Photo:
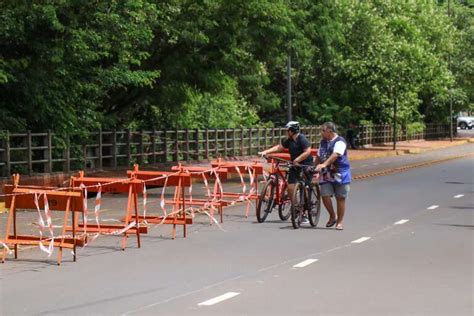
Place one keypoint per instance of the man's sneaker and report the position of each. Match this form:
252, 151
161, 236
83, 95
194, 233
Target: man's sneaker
304, 220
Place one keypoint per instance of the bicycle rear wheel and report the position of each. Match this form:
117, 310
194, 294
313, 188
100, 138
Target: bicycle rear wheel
297, 207
284, 209
314, 201
265, 201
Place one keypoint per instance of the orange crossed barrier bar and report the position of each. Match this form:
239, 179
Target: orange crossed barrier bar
254, 169
180, 180
213, 200
114, 185
30, 197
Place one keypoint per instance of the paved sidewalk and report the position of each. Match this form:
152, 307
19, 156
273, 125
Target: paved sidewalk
404, 147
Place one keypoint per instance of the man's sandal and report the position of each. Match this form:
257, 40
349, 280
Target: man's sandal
339, 227
331, 223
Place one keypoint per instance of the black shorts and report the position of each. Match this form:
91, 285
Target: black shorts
295, 173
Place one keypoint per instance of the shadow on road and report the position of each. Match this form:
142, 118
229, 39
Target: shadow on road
458, 225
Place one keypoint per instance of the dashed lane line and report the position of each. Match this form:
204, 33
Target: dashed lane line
458, 196
219, 299
305, 263
403, 221
360, 240
432, 207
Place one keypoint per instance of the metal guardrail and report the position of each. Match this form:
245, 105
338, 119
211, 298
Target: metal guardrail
38, 153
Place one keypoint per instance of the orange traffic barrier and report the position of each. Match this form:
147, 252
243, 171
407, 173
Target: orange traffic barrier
206, 174
113, 185
180, 180
253, 169
35, 198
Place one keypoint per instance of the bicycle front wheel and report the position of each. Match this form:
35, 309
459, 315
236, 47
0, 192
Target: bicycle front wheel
314, 201
265, 201
297, 207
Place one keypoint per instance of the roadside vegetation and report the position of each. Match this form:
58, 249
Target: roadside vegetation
76, 66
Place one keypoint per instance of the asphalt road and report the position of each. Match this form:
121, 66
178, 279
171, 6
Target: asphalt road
421, 266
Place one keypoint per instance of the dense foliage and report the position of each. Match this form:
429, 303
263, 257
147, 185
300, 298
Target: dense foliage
71, 65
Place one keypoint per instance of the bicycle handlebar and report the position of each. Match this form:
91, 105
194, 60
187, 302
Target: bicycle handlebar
291, 163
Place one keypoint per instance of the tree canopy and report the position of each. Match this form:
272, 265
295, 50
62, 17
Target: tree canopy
75, 66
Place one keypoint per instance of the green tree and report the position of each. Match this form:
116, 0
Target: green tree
60, 62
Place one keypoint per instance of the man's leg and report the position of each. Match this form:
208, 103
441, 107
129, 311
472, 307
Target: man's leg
291, 188
342, 190
328, 205
341, 208
292, 177
327, 190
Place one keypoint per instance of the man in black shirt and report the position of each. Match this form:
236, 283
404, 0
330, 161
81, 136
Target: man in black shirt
299, 148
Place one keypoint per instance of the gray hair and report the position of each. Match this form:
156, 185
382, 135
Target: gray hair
330, 126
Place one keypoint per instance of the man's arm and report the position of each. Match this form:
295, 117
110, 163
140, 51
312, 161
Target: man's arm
274, 149
328, 161
303, 156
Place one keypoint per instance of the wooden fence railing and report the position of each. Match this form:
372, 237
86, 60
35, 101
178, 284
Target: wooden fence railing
35, 153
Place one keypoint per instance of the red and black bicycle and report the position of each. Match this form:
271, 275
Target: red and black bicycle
275, 191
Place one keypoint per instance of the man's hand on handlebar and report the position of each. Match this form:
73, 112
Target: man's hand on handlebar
320, 167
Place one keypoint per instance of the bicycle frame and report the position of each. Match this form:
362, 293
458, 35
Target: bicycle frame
279, 176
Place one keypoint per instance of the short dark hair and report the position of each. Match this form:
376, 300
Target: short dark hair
330, 126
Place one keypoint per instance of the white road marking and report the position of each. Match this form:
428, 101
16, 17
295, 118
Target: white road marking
219, 299
403, 221
360, 240
305, 263
458, 196
432, 207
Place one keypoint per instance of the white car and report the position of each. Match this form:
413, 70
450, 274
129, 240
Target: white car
465, 122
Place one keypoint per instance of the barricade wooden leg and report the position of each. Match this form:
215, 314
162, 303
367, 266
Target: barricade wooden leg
221, 211
74, 219
128, 217
137, 222
183, 201
211, 212
14, 234
184, 227
124, 241
9, 223
60, 255
75, 222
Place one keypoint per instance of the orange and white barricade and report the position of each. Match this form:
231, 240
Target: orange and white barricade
242, 168
132, 187
212, 199
180, 181
44, 201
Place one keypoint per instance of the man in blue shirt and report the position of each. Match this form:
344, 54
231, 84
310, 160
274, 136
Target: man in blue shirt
332, 157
